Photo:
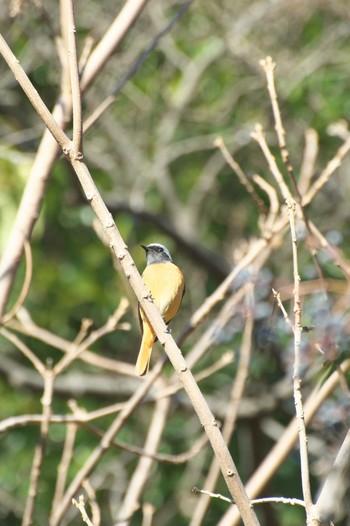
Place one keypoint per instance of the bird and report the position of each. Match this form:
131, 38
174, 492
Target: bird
166, 284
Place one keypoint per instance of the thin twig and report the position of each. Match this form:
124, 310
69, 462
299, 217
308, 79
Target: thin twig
63, 467
30, 204
180, 458
34, 96
104, 444
331, 503
95, 508
277, 297
148, 511
286, 442
259, 136
89, 42
40, 448
111, 98
77, 143
327, 173
28, 353
83, 418
243, 179
304, 459
25, 287
335, 254
265, 500
142, 471
81, 507
76, 350
117, 366
111, 40
237, 390
270, 220
226, 359
269, 67
307, 168
291, 208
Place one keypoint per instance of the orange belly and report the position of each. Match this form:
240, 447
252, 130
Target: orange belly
166, 284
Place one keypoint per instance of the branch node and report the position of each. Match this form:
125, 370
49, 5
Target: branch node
110, 224
67, 149
218, 143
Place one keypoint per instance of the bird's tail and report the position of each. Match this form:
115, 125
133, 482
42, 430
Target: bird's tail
144, 357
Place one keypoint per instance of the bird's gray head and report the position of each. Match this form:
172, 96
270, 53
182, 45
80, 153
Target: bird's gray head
156, 253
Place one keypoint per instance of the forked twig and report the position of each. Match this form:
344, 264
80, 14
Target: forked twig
81, 507
304, 459
286, 442
258, 135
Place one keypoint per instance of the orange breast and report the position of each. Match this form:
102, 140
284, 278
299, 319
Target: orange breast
166, 283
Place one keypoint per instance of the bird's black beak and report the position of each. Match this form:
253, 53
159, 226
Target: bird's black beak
144, 247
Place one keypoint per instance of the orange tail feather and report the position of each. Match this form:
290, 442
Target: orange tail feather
144, 357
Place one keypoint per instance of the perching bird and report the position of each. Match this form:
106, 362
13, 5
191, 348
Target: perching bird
166, 284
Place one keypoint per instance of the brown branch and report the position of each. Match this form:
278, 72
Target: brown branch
78, 418
307, 168
30, 329
180, 458
76, 350
206, 417
30, 204
259, 136
118, 247
81, 507
233, 405
34, 97
297, 330
28, 353
95, 509
335, 254
111, 98
111, 40
219, 294
84, 418
268, 223
142, 471
297, 327
104, 444
327, 173
269, 67
63, 467
332, 501
40, 448
285, 444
